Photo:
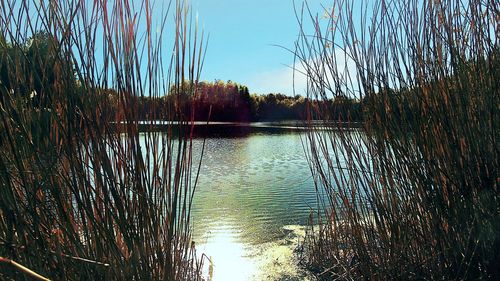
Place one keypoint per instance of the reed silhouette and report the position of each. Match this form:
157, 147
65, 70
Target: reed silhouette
414, 193
85, 195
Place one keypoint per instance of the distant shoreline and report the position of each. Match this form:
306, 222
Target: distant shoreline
203, 128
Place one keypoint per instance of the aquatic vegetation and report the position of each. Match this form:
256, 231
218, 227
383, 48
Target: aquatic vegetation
82, 197
415, 194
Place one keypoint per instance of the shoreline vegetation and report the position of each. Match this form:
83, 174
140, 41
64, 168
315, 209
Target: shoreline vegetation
416, 197
231, 102
78, 200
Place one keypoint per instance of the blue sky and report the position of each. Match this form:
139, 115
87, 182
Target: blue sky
243, 39
245, 36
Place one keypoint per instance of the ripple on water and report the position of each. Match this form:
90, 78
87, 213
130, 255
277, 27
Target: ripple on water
249, 190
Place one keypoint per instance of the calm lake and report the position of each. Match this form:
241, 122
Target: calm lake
254, 194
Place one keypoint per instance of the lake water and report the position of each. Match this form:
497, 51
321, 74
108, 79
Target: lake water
254, 194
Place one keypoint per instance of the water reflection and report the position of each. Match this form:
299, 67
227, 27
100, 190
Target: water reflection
253, 195
250, 189
229, 256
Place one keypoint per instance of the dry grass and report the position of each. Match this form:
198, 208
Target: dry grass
414, 194
81, 200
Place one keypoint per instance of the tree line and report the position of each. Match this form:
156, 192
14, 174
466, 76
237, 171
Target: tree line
215, 101
232, 102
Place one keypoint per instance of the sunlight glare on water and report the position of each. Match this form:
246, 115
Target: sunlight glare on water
230, 259
255, 194
250, 188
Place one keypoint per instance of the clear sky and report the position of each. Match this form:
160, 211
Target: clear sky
243, 39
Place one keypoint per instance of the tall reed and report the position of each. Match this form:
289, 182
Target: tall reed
414, 193
85, 195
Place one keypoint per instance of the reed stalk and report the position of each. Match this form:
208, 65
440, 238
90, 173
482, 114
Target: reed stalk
85, 194
414, 193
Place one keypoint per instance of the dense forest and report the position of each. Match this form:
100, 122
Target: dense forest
232, 102
214, 101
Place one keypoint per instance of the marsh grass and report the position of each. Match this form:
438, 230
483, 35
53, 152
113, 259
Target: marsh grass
414, 194
82, 197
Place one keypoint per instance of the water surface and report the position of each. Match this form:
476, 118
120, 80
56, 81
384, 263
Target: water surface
254, 193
